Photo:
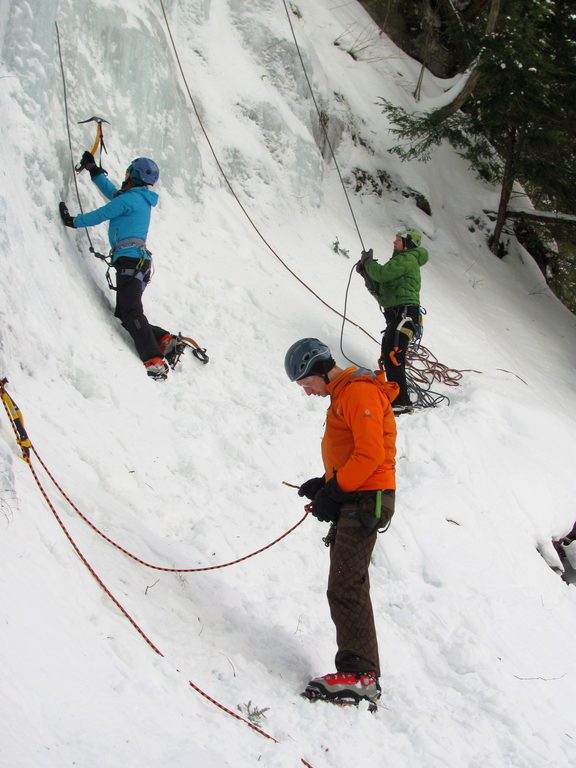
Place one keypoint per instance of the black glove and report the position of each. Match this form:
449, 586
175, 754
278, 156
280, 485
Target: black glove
327, 502
65, 216
311, 487
365, 256
87, 162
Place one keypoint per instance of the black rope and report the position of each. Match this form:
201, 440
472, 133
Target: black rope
333, 154
423, 398
344, 318
69, 136
233, 191
321, 121
422, 395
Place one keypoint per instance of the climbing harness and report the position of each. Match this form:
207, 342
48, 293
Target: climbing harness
131, 242
420, 396
142, 270
372, 509
403, 328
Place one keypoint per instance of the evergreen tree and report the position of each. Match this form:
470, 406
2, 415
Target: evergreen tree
514, 118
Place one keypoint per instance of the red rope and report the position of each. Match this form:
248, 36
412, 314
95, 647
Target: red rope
150, 565
425, 368
109, 593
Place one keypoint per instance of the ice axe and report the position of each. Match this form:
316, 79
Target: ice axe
98, 141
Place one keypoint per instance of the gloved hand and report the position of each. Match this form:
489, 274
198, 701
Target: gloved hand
366, 256
87, 162
311, 487
65, 216
326, 504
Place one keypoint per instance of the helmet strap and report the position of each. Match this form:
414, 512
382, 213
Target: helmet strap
322, 368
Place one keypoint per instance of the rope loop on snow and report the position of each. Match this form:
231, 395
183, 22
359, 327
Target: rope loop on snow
150, 565
13, 413
27, 446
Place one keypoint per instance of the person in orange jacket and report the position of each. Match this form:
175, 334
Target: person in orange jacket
356, 494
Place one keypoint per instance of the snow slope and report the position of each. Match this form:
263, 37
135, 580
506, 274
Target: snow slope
476, 629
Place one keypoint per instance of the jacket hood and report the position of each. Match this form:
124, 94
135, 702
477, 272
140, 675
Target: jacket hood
389, 389
421, 254
150, 196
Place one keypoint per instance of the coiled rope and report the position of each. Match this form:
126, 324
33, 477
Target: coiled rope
17, 423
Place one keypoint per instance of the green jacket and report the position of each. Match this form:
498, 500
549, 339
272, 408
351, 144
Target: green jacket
398, 281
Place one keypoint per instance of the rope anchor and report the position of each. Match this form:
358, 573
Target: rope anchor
15, 416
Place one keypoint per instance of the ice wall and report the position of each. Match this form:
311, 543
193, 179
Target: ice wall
119, 65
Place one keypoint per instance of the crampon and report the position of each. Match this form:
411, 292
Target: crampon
341, 702
344, 689
181, 344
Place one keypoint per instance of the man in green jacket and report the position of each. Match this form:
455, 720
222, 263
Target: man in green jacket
396, 286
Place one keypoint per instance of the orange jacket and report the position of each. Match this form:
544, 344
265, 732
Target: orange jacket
359, 441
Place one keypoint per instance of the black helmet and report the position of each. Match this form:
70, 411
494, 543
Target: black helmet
308, 357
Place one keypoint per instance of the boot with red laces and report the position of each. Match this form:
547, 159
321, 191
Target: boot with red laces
344, 688
156, 368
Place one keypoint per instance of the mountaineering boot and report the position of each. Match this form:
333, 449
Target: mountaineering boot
165, 342
172, 348
344, 688
156, 368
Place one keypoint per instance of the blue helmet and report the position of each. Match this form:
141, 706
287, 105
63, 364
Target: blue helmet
308, 357
144, 170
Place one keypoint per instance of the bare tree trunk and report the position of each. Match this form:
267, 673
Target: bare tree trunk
474, 76
474, 9
506, 191
428, 21
543, 217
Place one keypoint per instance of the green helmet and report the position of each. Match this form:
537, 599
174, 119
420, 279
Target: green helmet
308, 357
411, 237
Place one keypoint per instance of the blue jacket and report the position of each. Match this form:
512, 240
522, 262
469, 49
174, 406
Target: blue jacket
128, 214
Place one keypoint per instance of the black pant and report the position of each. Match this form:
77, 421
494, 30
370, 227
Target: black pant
394, 346
130, 311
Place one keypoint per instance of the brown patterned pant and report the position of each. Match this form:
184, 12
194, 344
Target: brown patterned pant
349, 598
